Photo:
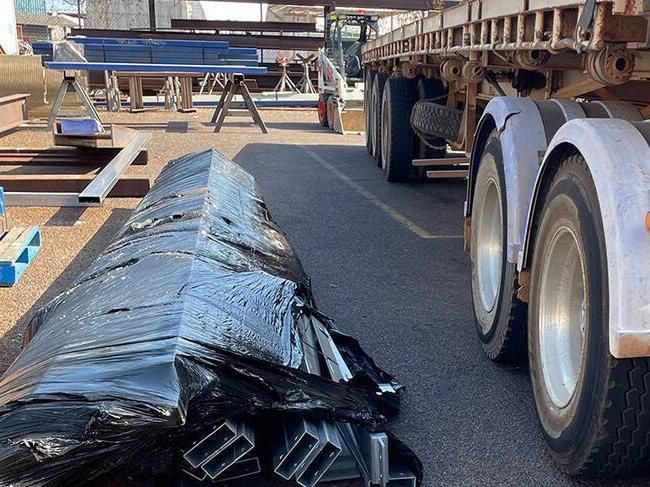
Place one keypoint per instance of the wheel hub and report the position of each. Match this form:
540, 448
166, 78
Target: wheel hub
384, 134
562, 316
490, 247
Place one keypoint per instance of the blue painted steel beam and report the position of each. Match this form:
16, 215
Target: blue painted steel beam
109, 41
158, 68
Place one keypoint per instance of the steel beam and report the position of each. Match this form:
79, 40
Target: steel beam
108, 177
294, 442
65, 156
13, 112
38, 199
329, 448
451, 174
126, 187
237, 25
228, 456
166, 68
304, 43
213, 443
241, 468
369, 4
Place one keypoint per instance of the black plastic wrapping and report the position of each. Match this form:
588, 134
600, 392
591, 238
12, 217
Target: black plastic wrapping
188, 317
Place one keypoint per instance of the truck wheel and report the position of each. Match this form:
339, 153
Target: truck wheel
428, 89
499, 315
322, 110
368, 111
437, 120
375, 100
593, 408
396, 131
331, 108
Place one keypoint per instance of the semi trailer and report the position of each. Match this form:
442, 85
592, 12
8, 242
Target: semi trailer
541, 106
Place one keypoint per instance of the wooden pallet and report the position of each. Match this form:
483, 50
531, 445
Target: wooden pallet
17, 249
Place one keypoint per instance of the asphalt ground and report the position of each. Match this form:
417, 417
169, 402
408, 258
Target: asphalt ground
387, 262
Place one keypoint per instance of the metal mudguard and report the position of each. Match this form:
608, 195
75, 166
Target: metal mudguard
524, 137
512, 116
618, 157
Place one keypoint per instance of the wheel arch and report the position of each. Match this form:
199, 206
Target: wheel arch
623, 190
510, 116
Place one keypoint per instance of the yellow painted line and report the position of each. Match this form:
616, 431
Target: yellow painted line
390, 211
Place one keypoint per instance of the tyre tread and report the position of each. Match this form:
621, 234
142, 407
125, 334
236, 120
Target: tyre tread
400, 95
513, 349
620, 440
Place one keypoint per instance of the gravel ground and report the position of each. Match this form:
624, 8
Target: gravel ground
386, 262
73, 237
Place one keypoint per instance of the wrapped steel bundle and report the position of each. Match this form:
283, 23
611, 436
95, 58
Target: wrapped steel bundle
189, 317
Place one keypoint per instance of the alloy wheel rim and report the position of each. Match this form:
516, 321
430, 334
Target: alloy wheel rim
490, 247
384, 134
562, 316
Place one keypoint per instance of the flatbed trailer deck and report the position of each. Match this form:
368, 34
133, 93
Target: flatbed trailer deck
547, 100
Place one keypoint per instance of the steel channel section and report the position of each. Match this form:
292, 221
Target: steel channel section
352, 438
344, 468
336, 366
102, 184
401, 476
44, 199
240, 447
311, 353
177, 68
329, 448
217, 440
376, 448
295, 442
13, 111
343, 451
241, 468
196, 473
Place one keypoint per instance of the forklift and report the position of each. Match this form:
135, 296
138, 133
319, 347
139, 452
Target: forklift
340, 70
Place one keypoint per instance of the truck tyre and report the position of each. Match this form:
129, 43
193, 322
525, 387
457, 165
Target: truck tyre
593, 408
375, 100
368, 111
331, 111
500, 316
396, 132
430, 89
322, 110
438, 120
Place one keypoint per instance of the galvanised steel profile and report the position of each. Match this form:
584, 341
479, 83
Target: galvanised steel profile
215, 454
308, 449
376, 448
241, 468
237, 449
296, 441
344, 468
310, 347
329, 448
336, 366
209, 446
105, 181
401, 476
